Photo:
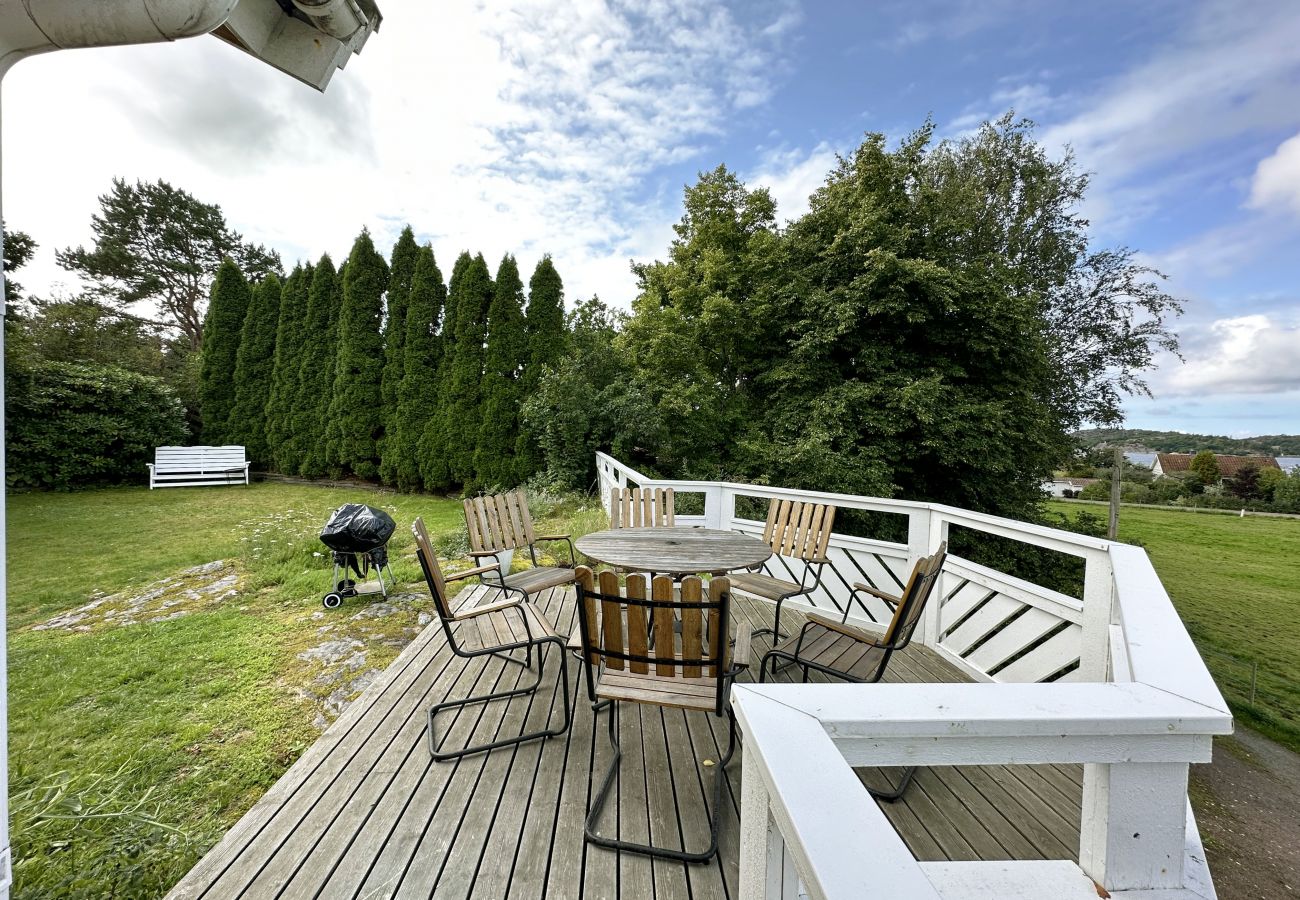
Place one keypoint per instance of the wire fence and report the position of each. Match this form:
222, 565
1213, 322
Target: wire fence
1244, 682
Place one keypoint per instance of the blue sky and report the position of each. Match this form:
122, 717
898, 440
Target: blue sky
571, 128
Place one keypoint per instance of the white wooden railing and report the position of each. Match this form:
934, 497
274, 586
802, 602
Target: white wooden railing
1111, 680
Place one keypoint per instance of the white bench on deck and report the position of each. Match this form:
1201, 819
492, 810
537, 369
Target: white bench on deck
197, 466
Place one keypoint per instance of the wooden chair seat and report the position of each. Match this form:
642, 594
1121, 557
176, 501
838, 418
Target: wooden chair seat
539, 578
504, 626
661, 690
766, 586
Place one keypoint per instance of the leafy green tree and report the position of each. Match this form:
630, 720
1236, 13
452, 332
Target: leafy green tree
418, 398
18, 250
1205, 466
356, 413
158, 244
400, 274
1286, 493
494, 456
1269, 479
1244, 483
72, 425
222, 329
285, 448
316, 368
544, 332
470, 297
254, 364
84, 330
441, 432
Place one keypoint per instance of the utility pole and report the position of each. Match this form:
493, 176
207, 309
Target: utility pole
1116, 472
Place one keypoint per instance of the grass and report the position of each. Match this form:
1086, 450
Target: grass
1236, 584
133, 749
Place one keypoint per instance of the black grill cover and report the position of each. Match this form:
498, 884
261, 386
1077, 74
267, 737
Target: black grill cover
355, 528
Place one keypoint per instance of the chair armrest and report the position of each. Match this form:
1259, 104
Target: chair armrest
553, 537
494, 606
740, 652
477, 553
819, 560
853, 631
470, 573
867, 589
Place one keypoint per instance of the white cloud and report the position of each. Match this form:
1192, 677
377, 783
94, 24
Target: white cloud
529, 130
1253, 354
792, 176
1277, 179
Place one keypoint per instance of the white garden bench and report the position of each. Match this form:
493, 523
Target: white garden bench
196, 466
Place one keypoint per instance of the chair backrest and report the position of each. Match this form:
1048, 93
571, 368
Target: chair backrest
797, 529
432, 571
498, 522
641, 508
910, 606
616, 633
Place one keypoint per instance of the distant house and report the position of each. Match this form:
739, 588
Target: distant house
1177, 463
1058, 486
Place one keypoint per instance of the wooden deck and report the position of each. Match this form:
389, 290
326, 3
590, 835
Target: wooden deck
366, 813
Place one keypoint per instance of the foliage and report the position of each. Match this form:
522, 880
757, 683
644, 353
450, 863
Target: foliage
1183, 442
1167, 490
1267, 482
400, 273
222, 329
82, 329
418, 397
1205, 467
284, 444
356, 413
18, 250
469, 296
438, 441
1244, 483
544, 330
316, 368
74, 425
254, 365
494, 455
158, 244
1286, 493
1098, 490
1129, 492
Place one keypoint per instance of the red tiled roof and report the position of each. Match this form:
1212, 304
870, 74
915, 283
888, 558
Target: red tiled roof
1171, 463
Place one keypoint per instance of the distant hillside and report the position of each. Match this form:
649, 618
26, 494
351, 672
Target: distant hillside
1177, 442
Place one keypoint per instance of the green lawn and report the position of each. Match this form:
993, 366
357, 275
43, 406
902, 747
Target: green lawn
132, 749
1236, 583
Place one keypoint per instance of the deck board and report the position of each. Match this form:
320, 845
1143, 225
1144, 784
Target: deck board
366, 813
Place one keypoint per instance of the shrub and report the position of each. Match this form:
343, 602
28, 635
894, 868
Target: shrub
1098, 490
1167, 490
1286, 494
75, 425
1134, 493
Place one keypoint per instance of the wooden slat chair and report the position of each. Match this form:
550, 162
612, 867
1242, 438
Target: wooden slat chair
626, 662
793, 529
499, 627
501, 522
641, 508
851, 653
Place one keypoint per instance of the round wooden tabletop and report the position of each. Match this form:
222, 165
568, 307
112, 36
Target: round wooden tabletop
674, 551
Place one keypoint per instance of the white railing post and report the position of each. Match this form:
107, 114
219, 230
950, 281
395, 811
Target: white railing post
726, 508
713, 507
1133, 831
926, 530
760, 841
1098, 613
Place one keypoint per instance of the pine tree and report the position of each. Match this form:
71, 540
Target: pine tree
316, 370
253, 367
435, 445
494, 456
222, 327
356, 412
418, 393
545, 335
465, 373
285, 448
400, 275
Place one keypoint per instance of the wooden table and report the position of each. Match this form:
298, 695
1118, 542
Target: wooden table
675, 551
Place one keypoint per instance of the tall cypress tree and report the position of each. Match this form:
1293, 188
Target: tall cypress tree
418, 393
400, 275
465, 373
316, 370
435, 445
545, 334
253, 369
494, 456
222, 327
356, 413
285, 449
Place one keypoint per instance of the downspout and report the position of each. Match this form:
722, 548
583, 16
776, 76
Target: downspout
28, 27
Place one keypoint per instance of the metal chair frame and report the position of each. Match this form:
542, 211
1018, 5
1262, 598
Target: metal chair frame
595, 656
508, 605
907, 616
